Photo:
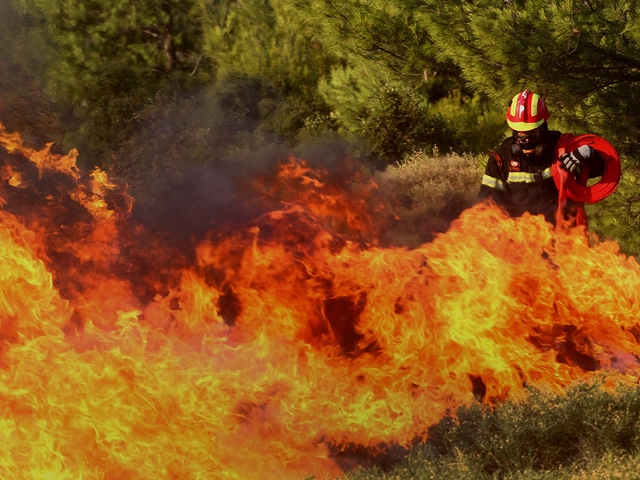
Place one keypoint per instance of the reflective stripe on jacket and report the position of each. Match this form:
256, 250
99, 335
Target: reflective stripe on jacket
524, 184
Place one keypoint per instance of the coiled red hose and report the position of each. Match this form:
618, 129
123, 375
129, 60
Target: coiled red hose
567, 183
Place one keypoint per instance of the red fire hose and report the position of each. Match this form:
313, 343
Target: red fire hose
577, 191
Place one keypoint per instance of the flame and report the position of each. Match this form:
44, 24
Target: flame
268, 351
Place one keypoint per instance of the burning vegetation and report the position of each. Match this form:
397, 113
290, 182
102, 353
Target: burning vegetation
282, 336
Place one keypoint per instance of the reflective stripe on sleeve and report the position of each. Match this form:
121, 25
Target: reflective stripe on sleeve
493, 182
525, 177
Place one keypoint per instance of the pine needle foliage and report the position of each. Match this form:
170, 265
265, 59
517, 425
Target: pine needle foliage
264, 38
584, 56
267, 40
385, 33
113, 57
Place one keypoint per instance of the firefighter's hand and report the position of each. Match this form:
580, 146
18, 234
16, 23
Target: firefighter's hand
575, 160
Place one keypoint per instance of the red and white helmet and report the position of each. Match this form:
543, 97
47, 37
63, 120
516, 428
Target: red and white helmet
526, 111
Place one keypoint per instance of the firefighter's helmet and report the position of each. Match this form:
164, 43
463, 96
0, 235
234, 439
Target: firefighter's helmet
526, 111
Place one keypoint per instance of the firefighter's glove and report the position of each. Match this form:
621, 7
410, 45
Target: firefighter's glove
575, 160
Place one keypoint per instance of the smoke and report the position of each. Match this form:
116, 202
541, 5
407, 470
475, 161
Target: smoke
197, 160
201, 200
25, 54
189, 157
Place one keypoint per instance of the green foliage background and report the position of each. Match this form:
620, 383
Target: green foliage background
335, 64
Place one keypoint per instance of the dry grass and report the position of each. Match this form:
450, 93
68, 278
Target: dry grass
433, 189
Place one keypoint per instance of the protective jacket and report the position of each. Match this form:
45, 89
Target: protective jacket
525, 183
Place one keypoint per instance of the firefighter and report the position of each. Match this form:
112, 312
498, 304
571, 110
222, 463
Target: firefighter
518, 175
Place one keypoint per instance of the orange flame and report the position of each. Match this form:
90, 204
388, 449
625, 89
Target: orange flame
281, 344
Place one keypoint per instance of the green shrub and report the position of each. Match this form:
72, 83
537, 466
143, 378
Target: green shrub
348, 91
587, 433
545, 430
398, 123
478, 125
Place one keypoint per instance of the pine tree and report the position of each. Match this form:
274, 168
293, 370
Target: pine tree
263, 37
114, 56
387, 35
584, 56
25, 53
267, 40
386, 48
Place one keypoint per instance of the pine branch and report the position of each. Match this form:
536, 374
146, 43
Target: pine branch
625, 60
